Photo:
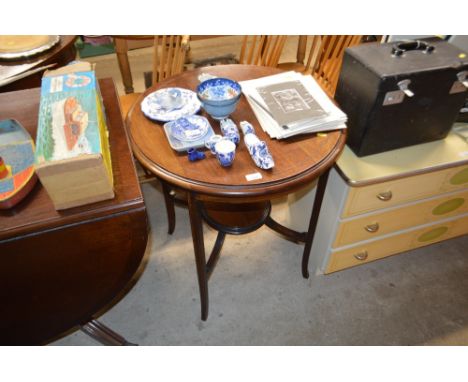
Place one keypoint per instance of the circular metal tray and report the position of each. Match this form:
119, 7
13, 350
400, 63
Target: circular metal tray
16, 47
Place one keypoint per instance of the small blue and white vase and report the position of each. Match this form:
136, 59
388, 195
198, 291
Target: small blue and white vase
247, 127
230, 130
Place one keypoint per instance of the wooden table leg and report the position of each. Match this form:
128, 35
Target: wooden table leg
199, 249
319, 193
170, 209
104, 334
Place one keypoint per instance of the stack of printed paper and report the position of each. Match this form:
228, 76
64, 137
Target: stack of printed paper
290, 103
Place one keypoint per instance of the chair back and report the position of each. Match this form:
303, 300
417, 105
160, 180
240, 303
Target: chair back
326, 57
168, 57
262, 50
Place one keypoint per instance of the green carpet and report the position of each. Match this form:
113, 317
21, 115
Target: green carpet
89, 50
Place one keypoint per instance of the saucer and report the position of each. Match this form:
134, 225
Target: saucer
188, 129
202, 132
155, 105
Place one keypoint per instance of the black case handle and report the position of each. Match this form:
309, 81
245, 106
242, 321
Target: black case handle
401, 47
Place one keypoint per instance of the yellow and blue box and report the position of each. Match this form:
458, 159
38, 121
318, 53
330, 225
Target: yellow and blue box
72, 158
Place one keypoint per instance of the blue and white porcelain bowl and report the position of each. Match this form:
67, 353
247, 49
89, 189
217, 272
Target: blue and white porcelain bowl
219, 96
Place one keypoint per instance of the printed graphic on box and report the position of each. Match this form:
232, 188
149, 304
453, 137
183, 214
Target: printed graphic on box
68, 104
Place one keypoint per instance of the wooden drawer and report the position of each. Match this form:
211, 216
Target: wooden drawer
396, 219
390, 245
387, 194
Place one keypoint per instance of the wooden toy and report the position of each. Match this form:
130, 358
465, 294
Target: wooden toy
17, 176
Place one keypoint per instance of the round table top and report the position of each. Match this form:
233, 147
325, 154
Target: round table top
298, 160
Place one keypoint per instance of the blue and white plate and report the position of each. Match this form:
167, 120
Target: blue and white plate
188, 129
169, 104
188, 132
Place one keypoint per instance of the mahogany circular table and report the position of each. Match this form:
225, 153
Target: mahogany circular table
222, 196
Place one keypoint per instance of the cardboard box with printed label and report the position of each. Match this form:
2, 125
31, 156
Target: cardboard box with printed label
72, 157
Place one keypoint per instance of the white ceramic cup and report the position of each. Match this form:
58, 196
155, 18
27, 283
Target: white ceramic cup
225, 152
210, 142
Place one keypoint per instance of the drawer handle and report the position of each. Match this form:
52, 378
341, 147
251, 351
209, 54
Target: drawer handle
361, 255
385, 196
374, 227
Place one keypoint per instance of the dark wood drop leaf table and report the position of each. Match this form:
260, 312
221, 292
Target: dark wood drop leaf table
222, 196
60, 269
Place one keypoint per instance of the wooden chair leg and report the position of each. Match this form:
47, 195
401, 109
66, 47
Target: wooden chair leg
301, 49
168, 199
121, 49
147, 173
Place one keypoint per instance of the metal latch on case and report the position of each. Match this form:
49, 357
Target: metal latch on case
397, 96
461, 84
462, 78
403, 85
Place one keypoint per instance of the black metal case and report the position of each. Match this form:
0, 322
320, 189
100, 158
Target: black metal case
401, 94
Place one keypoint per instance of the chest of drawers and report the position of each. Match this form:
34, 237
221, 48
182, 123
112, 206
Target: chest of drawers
384, 204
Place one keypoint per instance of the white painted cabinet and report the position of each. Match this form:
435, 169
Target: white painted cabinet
384, 204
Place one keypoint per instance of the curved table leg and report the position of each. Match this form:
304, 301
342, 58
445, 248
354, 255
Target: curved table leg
288, 233
104, 334
319, 193
199, 249
304, 237
170, 209
214, 256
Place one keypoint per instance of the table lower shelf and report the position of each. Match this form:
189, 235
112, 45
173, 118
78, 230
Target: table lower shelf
236, 219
